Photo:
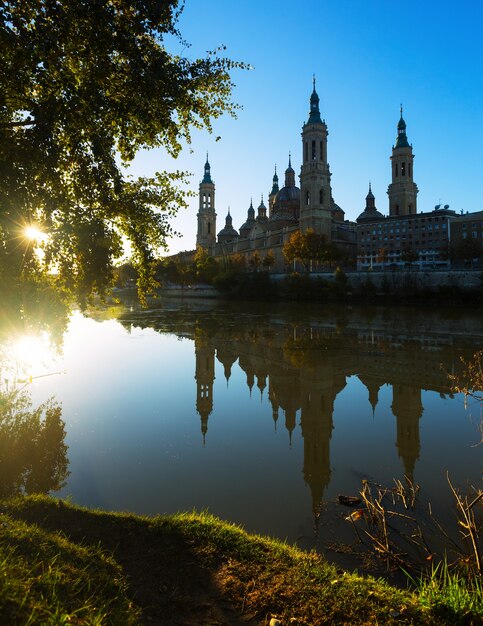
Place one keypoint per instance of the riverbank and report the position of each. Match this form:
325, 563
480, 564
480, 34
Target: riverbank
63, 564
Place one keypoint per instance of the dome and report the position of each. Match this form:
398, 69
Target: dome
228, 233
248, 225
287, 194
371, 215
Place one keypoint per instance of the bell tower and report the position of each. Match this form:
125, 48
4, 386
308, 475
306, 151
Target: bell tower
206, 235
403, 190
315, 190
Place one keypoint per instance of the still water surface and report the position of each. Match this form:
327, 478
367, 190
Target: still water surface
260, 414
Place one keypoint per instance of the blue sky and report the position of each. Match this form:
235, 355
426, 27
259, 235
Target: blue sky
368, 57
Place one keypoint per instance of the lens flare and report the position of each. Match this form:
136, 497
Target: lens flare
31, 352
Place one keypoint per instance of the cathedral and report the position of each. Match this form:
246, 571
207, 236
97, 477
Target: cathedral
398, 240
290, 208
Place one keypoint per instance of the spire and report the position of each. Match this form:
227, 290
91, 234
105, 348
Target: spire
289, 173
251, 211
275, 183
402, 140
207, 176
314, 117
370, 199
262, 212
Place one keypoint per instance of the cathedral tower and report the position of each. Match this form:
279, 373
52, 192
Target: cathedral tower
315, 191
206, 236
402, 191
205, 377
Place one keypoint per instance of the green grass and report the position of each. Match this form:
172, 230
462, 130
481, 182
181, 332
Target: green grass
47, 579
450, 595
61, 564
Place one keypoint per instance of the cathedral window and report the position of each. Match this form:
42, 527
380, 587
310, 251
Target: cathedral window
306, 151
403, 169
209, 228
410, 208
321, 195
321, 150
314, 155
307, 197
409, 169
395, 170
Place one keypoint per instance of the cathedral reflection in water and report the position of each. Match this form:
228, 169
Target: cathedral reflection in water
303, 368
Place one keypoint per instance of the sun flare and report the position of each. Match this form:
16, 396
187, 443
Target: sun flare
31, 352
33, 233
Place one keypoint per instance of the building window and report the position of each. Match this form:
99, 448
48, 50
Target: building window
463, 225
314, 156
395, 169
321, 195
321, 150
209, 228
409, 169
474, 234
306, 151
307, 197
403, 169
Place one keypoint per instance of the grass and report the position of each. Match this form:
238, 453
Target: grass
61, 564
449, 594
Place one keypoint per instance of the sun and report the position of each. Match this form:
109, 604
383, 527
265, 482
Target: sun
33, 233
31, 352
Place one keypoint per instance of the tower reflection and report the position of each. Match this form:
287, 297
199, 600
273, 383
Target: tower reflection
306, 368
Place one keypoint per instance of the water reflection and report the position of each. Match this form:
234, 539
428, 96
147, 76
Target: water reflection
259, 414
304, 363
33, 453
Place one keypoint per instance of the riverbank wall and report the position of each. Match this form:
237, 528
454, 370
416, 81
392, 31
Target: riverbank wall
397, 280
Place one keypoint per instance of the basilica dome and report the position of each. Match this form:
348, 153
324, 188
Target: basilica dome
286, 204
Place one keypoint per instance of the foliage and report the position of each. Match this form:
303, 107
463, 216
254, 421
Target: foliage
409, 255
83, 87
33, 454
382, 255
125, 274
470, 381
255, 261
268, 260
450, 595
310, 247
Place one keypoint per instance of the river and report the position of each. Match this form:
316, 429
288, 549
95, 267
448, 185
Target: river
261, 414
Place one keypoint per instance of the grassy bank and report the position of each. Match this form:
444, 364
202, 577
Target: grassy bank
61, 564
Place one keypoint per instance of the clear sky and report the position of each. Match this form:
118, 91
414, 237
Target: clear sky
368, 58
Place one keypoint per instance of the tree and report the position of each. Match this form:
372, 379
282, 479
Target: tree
307, 247
254, 261
33, 453
83, 87
268, 260
382, 255
408, 255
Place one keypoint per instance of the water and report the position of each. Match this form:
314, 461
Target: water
260, 414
